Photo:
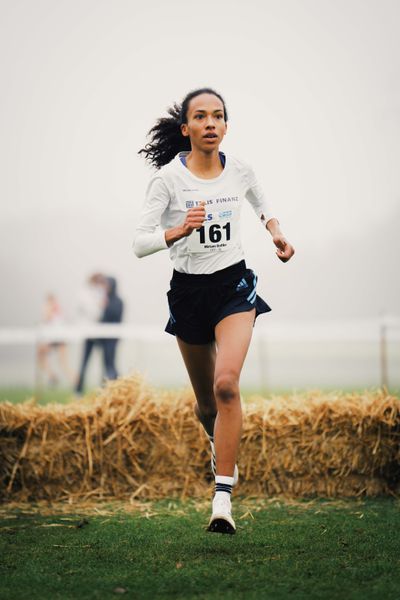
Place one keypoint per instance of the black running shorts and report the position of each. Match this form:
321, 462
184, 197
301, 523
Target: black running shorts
198, 302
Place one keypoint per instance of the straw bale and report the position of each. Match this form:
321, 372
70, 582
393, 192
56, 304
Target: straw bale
133, 442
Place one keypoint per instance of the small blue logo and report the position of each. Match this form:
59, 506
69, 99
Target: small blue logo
242, 284
189, 204
225, 214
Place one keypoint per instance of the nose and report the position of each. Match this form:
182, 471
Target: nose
210, 122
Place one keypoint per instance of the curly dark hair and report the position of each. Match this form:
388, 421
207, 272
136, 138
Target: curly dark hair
166, 136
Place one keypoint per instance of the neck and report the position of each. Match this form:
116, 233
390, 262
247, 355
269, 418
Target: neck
204, 164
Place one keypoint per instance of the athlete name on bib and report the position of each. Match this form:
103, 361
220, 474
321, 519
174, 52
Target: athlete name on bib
219, 232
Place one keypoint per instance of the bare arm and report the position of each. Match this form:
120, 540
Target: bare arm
285, 250
257, 199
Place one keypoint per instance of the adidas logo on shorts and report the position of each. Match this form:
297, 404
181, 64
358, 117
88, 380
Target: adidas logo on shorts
242, 284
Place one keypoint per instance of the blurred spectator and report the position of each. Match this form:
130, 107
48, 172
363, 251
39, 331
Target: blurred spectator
91, 303
100, 303
92, 299
112, 314
53, 316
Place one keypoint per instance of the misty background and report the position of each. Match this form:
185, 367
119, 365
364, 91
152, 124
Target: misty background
312, 89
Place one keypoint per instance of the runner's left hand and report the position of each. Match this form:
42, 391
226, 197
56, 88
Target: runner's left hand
285, 250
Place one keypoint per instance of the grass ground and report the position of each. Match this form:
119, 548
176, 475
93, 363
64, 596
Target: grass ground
58, 395
44, 396
303, 551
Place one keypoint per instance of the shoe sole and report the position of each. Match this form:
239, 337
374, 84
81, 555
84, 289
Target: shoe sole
221, 525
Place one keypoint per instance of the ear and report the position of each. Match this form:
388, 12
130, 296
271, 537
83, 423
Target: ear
184, 130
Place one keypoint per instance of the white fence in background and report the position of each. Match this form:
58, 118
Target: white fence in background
282, 354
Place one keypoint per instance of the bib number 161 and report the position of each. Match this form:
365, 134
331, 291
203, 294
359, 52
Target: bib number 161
215, 233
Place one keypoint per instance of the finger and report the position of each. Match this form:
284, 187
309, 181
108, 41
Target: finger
196, 215
280, 243
195, 225
285, 255
282, 257
195, 222
197, 210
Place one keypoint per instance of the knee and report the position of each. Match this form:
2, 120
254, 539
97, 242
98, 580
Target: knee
226, 388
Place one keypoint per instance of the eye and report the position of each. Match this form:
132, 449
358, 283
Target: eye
220, 116
198, 116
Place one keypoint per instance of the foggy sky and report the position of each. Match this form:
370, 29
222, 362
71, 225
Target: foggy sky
313, 94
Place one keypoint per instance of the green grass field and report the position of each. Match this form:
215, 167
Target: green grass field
334, 550
57, 395
45, 396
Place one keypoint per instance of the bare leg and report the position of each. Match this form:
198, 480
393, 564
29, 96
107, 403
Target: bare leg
43, 353
233, 335
63, 360
199, 360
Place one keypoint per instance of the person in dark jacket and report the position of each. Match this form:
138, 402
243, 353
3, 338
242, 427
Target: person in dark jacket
112, 314
91, 305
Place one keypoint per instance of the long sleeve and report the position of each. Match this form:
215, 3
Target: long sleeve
255, 195
149, 235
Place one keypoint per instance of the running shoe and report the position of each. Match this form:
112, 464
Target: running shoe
221, 519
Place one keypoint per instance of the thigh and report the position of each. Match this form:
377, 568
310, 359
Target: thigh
43, 350
188, 315
199, 360
233, 336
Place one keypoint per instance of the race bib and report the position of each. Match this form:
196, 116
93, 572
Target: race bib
220, 232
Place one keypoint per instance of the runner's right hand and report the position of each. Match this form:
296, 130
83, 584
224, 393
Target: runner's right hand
195, 218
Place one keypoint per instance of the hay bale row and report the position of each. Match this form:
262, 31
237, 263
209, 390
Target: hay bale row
133, 442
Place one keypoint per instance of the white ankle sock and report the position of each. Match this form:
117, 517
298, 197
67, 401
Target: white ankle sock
223, 484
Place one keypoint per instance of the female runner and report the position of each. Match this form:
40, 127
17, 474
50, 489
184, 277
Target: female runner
192, 207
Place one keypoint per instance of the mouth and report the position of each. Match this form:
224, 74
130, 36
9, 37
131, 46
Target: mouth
210, 136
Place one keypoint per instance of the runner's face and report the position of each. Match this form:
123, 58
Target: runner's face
206, 124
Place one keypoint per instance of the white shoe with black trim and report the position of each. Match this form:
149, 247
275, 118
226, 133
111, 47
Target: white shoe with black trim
221, 519
214, 465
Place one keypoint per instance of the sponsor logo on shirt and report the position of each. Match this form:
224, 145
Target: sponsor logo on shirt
225, 214
192, 203
227, 199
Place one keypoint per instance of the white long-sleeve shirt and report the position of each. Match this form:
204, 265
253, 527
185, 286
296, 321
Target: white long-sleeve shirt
173, 190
